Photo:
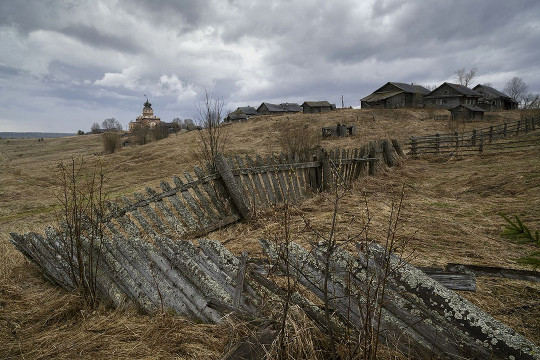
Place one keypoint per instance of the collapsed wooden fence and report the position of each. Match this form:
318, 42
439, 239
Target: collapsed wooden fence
145, 260
473, 141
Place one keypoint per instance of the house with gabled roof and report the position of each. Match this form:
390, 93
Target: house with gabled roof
314, 107
448, 96
493, 100
274, 109
241, 113
393, 95
465, 112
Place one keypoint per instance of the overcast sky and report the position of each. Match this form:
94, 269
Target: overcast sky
65, 64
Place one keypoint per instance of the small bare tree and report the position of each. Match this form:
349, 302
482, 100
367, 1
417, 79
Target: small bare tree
213, 137
82, 199
516, 88
464, 77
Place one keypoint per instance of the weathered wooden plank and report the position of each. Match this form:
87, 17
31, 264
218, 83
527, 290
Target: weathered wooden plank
257, 182
529, 275
251, 194
274, 179
299, 173
143, 223
290, 176
192, 204
185, 215
266, 181
211, 192
281, 179
454, 279
213, 215
151, 215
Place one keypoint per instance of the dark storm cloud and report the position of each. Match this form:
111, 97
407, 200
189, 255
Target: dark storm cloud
94, 37
98, 58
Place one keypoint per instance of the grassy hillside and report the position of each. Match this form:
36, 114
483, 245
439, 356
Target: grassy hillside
450, 214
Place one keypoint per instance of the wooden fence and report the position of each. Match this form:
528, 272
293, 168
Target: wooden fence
476, 140
216, 197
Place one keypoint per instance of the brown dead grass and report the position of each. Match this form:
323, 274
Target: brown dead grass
450, 215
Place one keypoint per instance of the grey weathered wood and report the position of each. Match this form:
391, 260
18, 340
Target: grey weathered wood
326, 170
261, 193
168, 215
240, 279
203, 202
275, 182
454, 280
228, 179
251, 194
398, 148
266, 181
151, 214
529, 275
129, 226
192, 204
210, 192
281, 178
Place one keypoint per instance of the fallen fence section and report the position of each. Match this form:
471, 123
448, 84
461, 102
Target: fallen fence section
476, 140
419, 316
206, 282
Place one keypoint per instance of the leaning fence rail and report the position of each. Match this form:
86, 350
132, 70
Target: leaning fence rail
476, 140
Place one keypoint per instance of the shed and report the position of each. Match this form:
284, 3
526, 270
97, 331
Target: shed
466, 112
313, 107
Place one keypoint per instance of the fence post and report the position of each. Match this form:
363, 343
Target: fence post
413, 146
473, 137
527, 125
438, 142
491, 133
518, 127
481, 146
372, 154
326, 171
533, 123
232, 188
505, 129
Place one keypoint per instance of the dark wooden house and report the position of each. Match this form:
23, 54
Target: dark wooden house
466, 112
394, 95
494, 100
274, 109
314, 107
448, 96
241, 114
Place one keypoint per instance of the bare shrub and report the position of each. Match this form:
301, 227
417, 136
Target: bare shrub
82, 201
111, 141
298, 139
213, 137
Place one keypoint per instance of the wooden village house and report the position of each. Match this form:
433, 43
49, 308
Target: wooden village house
394, 95
493, 100
241, 114
448, 96
314, 107
273, 109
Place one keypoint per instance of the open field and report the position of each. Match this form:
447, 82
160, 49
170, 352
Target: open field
450, 214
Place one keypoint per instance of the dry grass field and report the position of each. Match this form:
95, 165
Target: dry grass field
450, 214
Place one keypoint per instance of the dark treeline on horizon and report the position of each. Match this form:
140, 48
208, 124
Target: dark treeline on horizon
28, 135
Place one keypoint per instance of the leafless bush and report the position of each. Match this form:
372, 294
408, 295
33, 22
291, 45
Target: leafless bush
298, 139
111, 141
213, 137
82, 200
